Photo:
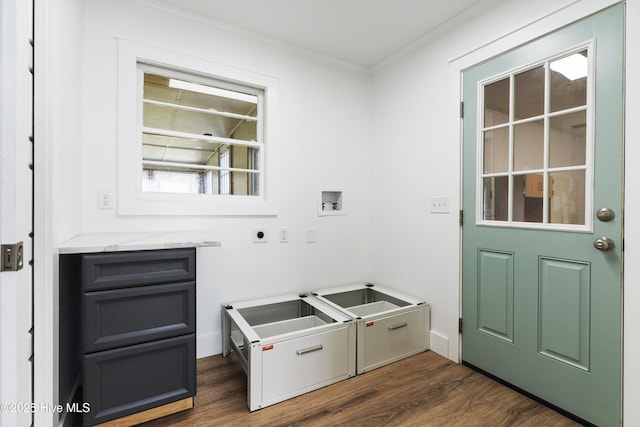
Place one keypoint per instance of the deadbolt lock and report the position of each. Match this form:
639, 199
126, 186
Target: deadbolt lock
605, 214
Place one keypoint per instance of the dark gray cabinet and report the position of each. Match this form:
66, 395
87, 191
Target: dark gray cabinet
136, 326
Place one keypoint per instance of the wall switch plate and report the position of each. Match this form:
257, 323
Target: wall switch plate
311, 235
105, 200
260, 235
439, 205
284, 235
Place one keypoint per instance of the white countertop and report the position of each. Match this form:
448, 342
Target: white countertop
113, 242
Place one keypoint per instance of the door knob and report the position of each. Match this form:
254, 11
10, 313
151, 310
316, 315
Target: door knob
604, 244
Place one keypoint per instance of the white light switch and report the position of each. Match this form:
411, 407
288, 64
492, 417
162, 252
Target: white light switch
439, 205
284, 235
311, 235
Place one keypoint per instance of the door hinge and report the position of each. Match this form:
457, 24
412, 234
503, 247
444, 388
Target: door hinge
11, 257
461, 217
460, 325
461, 109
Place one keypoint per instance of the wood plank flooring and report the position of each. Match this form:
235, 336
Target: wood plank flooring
422, 390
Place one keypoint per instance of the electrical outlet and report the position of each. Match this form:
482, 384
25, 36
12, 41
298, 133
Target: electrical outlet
439, 205
260, 235
105, 200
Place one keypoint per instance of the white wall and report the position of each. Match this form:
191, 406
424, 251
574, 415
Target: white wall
416, 129
324, 125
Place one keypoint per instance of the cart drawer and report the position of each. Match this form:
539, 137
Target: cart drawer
125, 269
391, 338
131, 379
292, 367
122, 317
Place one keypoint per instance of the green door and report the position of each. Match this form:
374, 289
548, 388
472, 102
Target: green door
542, 259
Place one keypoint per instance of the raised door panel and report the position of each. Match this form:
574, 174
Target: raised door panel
564, 328
495, 293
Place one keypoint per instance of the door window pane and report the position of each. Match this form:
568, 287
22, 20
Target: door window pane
496, 103
528, 146
496, 198
569, 81
567, 198
533, 197
568, 140
535, 143
529, 93
496, 150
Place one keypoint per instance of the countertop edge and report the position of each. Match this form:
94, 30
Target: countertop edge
118, 242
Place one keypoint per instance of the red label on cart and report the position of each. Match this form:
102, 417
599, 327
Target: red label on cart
267, 347
369, 323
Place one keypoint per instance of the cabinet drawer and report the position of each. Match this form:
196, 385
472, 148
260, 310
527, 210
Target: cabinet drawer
391, 338
124, 269
294, 366
128, 316
124, 381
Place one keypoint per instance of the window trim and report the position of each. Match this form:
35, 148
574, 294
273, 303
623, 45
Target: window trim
131, 199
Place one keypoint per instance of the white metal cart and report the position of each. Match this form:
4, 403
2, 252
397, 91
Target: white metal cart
288, 346
390, 324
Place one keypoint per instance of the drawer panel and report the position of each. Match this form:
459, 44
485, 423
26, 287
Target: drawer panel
124, 269
136, 378
391, 338
294, 366
116, 318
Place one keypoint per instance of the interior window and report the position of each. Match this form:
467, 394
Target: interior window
534, 144
199, 135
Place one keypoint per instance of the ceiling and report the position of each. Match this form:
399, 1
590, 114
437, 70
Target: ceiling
359, 32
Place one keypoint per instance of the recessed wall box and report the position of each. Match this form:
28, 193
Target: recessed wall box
390, 325
331, 203
288, 346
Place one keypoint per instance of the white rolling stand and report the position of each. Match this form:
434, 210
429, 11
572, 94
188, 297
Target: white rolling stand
288, 346
390, 325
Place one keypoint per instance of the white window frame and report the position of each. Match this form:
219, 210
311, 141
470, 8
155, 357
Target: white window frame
131, 199
590, 115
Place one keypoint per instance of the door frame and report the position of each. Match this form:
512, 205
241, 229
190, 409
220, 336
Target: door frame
16, 297
493, 47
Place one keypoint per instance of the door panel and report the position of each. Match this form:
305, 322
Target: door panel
565, 312
542, 153
495, 293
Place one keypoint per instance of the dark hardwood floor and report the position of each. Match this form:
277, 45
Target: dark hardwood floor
422, 390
